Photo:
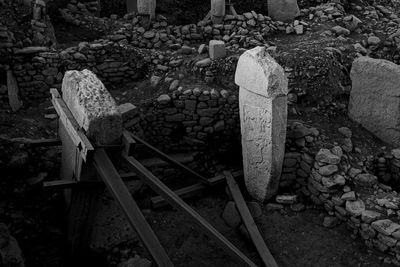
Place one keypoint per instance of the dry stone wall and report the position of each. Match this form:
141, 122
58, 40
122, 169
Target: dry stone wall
187, 120
37, 72
321, 172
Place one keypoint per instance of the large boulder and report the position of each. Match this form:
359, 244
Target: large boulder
283, 10
374, 98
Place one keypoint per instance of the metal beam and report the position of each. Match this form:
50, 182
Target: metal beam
120, 192
179, 204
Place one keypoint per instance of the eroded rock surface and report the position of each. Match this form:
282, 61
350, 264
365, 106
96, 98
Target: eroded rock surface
374, 99
92, 106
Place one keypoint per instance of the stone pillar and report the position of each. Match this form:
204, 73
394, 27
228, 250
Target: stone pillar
217, 11
39, 10
131, 6
92, 106
283, 10
263, 117
147, 7
375, 97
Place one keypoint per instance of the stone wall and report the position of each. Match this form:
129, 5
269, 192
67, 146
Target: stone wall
188, 120
37, 72
321, 172
247, 30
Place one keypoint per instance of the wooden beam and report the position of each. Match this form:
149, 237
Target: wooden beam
71, 125
33, 142
179, 204
128, 143
192, 190
120, 192
171, 161
251, 226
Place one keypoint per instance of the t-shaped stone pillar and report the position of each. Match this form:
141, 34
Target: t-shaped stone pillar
93, 107
263, 117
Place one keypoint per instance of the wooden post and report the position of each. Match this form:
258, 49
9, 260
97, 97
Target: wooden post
101, 122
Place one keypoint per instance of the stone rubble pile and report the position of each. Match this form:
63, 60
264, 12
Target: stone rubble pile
247, 30
89, 8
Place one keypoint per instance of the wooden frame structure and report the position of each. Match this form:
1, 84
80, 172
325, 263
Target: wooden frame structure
85, 158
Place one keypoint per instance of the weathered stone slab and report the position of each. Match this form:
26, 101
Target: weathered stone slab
263, 115
92, 106
283, 10
13, 91
374, 98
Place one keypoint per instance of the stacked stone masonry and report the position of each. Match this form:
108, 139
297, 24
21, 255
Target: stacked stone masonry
322, 173
36, 73
187, 120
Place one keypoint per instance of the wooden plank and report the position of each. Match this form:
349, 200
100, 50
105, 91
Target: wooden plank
179, 204
60, 184
71, 125
128, 143
170, 160
121, 193
65, 184
33, 142
251, 226
192, 190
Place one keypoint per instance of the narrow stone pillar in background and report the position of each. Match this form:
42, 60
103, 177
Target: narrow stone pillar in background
217, 11
147, 7
131, 6
283, 10
13, 92
263, 117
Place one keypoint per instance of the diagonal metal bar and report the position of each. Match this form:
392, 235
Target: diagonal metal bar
179, 204
120, 192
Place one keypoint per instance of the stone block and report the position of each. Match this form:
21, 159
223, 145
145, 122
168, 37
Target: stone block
128, 111
216, 49
374, 98
92, 106
263, 115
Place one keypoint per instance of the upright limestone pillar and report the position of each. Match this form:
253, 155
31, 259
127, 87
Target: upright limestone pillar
263, 117
217, 11
147, 7
96, 112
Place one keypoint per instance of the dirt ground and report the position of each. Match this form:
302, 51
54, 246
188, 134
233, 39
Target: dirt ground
294, 239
